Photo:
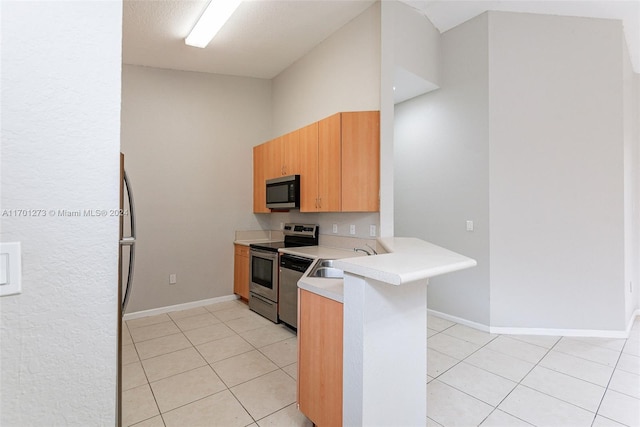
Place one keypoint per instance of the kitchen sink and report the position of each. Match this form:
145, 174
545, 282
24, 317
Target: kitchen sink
326, 262
324, 268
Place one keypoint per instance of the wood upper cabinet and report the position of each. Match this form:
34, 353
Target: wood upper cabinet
329, 164
291, 161
260, 165
361, 161
283, 155
274, 157
241, 271
308, 154
337, 158
320, 353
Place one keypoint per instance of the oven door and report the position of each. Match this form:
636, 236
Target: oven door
264, 274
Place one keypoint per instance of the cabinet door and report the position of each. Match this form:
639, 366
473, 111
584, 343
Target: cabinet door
329, 164
320, 359
291, 159
274, 158
308, 152
241, 271
361, 161
259, 177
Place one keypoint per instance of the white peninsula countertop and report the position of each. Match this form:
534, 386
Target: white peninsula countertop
407, 260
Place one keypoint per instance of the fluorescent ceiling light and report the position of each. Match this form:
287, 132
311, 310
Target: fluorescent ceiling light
213, 18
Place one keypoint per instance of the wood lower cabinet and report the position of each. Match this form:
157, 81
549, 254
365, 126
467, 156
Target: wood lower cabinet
241, 271
320, 359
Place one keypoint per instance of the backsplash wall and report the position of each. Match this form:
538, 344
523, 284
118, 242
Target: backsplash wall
361, 220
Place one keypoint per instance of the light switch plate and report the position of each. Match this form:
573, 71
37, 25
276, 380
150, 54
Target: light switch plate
11, 266
4, 269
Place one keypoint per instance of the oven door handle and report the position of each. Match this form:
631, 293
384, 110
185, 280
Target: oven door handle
263, 254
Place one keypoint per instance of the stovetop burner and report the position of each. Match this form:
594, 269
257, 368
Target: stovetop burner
295, 235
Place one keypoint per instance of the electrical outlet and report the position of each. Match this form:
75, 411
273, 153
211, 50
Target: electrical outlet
282, 226
352, 229
372, 230
172, 279
469, 225
335, 228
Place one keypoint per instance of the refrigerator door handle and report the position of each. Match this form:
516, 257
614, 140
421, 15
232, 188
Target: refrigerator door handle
129, 241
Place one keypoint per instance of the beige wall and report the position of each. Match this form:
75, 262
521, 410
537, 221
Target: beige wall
187, 139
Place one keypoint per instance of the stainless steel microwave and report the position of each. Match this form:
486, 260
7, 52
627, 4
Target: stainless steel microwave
283, 192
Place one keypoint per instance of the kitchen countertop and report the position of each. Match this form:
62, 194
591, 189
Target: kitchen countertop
326, 287
320, 252
250, 241
408, 260
330, 288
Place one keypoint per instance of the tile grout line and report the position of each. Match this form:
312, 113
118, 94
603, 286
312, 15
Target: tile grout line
517, 384
606, 389
538, 391
548, 350
192, 345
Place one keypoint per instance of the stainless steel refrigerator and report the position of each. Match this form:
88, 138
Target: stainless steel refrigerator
126, 260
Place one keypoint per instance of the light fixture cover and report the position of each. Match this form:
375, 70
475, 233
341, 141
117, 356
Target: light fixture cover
212, 19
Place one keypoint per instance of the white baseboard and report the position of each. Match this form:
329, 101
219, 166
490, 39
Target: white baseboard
177, 307
539, 331
592, 333
460, 320
631, 320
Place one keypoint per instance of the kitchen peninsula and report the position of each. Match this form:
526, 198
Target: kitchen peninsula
384, 329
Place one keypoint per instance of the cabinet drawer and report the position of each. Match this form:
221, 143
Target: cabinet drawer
242, 250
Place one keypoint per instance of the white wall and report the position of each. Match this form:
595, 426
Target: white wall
442, 172
410, 66
187, 139
632, 185
416, 43
526, 138
60, 150
556, 156
340, 74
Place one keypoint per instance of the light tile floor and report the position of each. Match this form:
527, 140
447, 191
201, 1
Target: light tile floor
223, 365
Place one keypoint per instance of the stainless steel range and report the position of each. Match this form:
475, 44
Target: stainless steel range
263, 287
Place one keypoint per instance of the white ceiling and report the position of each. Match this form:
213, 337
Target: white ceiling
264, 37
448, 14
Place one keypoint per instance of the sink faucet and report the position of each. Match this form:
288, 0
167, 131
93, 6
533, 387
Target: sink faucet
372, 250
361, 250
